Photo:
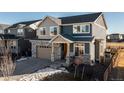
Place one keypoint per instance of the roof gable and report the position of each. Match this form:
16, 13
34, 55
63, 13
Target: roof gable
60, 39
51, 20
101, 21
25, 23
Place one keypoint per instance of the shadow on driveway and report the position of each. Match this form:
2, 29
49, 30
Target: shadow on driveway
30, 65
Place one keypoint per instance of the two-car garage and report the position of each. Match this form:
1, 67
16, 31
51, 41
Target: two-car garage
43, 52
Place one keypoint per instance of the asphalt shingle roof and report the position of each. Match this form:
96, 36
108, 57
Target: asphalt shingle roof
80, 18
76, 38
66, 20
26, 23
8, 36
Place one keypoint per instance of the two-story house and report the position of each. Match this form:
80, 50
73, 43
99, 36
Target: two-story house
9, 41
61, 38
24, 31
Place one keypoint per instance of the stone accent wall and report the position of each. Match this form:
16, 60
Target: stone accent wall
36, 43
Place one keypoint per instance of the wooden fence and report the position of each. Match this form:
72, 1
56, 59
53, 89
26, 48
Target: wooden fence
112, 63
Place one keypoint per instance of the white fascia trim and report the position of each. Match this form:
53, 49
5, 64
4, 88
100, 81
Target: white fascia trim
98, 17
76, 23
103, 19
100, 26
82, 36
66, 39
82, 41
45, 18
53, 38
61, 37
85, 41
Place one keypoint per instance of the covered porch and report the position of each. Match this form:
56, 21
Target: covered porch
62, 49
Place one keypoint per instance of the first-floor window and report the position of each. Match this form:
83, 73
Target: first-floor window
79, 49
87, 48
71, 47
53, 30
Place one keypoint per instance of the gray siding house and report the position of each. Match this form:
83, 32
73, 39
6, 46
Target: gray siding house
24, 31
65, 37
9, 41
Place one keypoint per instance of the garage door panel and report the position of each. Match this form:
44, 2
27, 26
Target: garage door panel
44, 52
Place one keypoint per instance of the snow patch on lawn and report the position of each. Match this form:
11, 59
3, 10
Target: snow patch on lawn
23, 58
41, 74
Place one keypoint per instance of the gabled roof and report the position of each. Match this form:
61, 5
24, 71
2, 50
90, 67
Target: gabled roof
63, 20
80, 18
8, 36
25, 23
55, 20
3, 26
64, 38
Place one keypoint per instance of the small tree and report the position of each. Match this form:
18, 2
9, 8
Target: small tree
7, 65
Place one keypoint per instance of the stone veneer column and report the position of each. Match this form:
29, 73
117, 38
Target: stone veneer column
52, 54
33, 49
68, 54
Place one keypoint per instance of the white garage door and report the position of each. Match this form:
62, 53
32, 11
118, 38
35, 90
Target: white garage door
44, 52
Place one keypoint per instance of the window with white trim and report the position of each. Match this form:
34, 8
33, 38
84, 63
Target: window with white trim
79, 49
53, 30
42, 31
20, 32
81, 29
87, 48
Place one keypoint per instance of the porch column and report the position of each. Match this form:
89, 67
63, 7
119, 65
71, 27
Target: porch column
68, 54
73, 49
52, 54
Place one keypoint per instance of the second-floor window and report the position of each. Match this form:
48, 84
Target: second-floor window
53, 30
42, 31
20, 32
81, 28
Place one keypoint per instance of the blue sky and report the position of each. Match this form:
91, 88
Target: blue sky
115, 21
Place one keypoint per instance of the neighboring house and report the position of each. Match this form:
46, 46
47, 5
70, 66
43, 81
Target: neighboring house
25, 30
115, 37
14, 43
65, 37
3, 27
9, 41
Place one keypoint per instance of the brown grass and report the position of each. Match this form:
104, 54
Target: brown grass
115, 44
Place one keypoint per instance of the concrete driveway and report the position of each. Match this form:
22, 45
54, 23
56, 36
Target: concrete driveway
31, 65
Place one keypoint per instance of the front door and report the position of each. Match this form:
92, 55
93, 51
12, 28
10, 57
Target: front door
63, 51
